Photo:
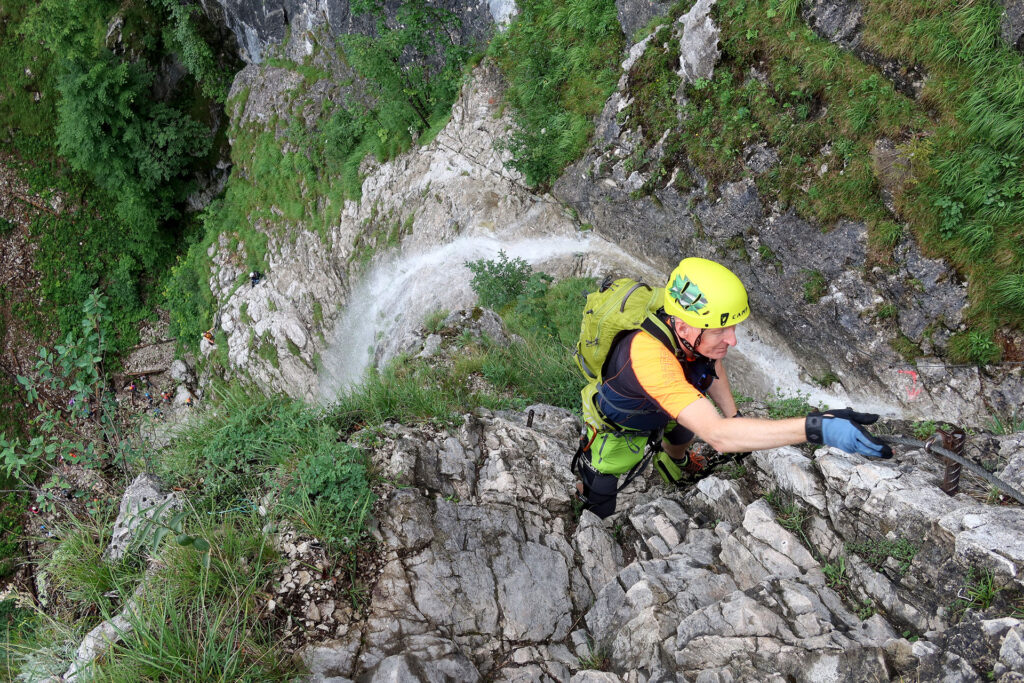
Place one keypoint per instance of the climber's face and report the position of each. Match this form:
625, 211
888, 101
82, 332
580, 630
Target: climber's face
714, 343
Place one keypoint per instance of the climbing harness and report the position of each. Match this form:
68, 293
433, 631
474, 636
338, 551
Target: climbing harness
930, 447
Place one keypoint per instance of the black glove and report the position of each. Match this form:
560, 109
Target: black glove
843, 429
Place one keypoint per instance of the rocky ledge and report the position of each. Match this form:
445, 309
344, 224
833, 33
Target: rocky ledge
788, 566
806, 567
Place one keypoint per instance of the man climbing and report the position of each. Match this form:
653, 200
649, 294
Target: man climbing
254, 278
670, 375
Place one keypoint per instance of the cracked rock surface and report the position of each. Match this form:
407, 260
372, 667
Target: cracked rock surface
488, 574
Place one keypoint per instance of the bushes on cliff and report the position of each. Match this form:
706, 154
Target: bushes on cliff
132, 147
561, 58
81, 78
412, 66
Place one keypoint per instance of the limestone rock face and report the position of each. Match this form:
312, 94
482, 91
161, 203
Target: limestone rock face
143, 499
261, 29
284, 329
490, 575
1012, 24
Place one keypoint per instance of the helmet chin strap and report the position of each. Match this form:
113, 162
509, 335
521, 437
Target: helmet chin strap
690, 348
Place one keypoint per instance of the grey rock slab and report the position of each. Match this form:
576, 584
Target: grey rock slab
835, 20
142, 500
1011, 652
1012, 24
781, 551
428, 666
780, 627
632, 617
1011, 451
882, 591
590, 676
720, 499
990, 536
600, 556
663, 525
879, 496
789, 470
636, 14
331, 659
533, 592
481, 574
698, 44
181, 372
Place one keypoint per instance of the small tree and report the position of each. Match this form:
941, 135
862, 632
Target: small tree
76, 415
412, 66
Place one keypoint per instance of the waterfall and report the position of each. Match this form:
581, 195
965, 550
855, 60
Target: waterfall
398, 293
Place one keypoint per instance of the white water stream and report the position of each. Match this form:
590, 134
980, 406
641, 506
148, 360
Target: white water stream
397, 294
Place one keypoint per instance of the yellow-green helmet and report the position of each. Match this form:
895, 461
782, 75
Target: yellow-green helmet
705, 294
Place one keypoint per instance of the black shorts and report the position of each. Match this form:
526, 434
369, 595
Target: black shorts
599, 490
678, 435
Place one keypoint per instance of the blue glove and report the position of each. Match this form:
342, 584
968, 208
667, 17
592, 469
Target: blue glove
842, 429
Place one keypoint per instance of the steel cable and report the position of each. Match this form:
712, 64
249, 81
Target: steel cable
974, 468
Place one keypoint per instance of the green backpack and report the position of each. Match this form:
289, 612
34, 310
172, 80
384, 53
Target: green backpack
617, 308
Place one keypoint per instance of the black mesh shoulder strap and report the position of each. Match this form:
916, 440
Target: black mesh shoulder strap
659, 330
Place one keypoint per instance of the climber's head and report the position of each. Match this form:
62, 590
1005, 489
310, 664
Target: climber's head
706, 301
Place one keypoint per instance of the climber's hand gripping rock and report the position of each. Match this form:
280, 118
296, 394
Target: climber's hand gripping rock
843, 429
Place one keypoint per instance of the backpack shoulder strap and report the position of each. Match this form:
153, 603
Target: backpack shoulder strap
654, 326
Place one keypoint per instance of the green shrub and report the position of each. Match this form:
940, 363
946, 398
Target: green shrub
333, 482
435, 320
184, 34
190, 303
788, 406
240, 442
193, 639
924, 429
499, 283
540, 367
814, 286
110, 128
412, 65
407, 392
877, 552
974, 346
561, 60
79, 577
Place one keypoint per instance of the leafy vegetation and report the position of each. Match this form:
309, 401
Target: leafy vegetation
85, 429
287, 172
412, 66
877, 552
560, 58
92, 140
499, 283
978, 592
783, 406
815, 286
1008, 424
835, 574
